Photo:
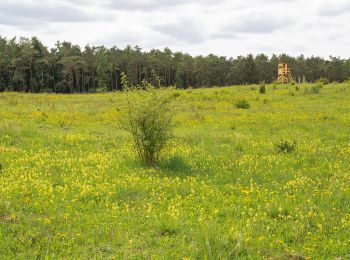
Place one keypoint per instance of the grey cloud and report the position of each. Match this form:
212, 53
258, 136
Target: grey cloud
184, 30
334, 9
182, 24
281, 1
225, 34
260, 24
119, 39
146, 5
251, 24
26, 13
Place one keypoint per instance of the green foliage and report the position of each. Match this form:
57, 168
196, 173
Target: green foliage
26, 65
101, 89
148, 118
314, 89
175, 164
347, 81
214, 245
262, 88
286, 146
242, 104
322, 81
102, 69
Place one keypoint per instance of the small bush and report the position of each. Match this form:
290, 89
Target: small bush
342, 89
242, 104
316, 89
101, 90
149, 119
285, 146
292, 83
322, 81
262, 89
297, 88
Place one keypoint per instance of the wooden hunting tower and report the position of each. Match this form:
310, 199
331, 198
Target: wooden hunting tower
284, 74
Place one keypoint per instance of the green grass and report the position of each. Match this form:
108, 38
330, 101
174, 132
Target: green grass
71, 186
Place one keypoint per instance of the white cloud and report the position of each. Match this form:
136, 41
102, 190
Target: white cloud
223, 27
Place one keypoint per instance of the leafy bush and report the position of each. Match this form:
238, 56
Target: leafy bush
285, 146
292, 83
341, 89
322, 81
46, 90
242, 104
316, 89
101, 90
149, 119
262, 89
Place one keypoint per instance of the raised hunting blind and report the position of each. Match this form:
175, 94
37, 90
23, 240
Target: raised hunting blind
284, 74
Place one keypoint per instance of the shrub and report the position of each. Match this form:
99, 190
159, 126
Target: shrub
341, 89
285, 146
322, 81
149, 119
316, 89
292, 83
46, 90
297, 88
242, 104
101, 90
262, 89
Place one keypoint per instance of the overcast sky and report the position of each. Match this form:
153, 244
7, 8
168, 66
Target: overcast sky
223, 27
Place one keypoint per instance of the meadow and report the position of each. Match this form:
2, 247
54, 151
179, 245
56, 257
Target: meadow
71, 185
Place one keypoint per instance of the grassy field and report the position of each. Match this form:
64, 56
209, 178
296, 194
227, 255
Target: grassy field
71, 186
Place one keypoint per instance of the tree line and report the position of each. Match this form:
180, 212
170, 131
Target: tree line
27, 65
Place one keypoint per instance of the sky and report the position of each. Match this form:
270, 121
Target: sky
199, 27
